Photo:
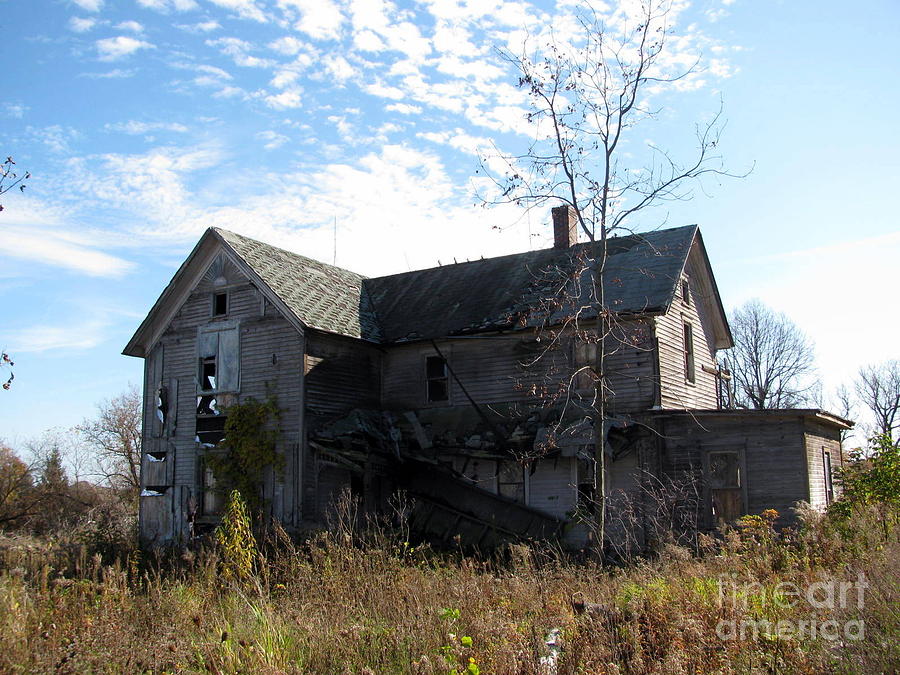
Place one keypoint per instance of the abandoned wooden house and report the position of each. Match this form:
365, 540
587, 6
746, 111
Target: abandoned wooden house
466, 386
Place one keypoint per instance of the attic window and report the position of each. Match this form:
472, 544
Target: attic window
220, 304
686, 291
438, 388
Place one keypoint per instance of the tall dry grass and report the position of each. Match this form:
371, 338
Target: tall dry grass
368, 602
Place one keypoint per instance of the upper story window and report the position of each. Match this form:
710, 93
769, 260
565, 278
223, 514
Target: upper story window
220, 304
685, 291
437, 379
689, 370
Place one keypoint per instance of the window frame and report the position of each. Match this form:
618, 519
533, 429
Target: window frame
215, 302
431, 358
690, 359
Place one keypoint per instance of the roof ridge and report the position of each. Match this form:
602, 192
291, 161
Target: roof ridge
230, 233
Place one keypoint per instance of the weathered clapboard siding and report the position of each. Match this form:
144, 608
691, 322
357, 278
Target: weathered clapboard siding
552, 486
820, 439
512, 368
270, 356
341, 374
772, 450
675, 389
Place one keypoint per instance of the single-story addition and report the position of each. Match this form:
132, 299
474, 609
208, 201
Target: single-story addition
468, 387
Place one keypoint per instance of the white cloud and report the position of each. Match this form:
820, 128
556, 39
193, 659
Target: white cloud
246, 9
404, 108
202, 27
114, 74
320, 19
168, 5
81, 25
238, 50
111, 49
70, 336
135, 128
55, 137
289, 46
383, 91
132, 26
89, 5
273, 140
338, 67
16, 110
289, 98
58, 247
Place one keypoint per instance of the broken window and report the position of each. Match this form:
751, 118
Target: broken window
438, 382
511, 481
220, 304
689, 371
587, 485
210, 430
218, 347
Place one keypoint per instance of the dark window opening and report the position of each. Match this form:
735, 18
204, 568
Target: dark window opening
208, 373
220, 304
357, 487
685, 291
154, 491
162, 405
689, 372
587, 486
207, 405
210, 430
157, 456
438, 381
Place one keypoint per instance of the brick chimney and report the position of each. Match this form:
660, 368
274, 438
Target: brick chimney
565, 227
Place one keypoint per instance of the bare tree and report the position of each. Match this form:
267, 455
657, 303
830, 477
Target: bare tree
878, 387
115, 436
18, 499
772, 360
586, 98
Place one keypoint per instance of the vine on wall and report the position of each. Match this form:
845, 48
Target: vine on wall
252, 428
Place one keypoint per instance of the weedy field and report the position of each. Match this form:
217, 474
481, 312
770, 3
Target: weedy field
368, 602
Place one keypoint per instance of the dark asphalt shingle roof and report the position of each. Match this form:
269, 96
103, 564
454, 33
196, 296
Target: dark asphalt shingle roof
490, 294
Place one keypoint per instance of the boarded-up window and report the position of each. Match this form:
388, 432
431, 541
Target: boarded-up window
689, 372
686, 291
725, 486
437, 381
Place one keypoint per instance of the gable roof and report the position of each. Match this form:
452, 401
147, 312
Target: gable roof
321, 296
642, 274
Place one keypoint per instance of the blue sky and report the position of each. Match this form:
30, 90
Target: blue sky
146, 121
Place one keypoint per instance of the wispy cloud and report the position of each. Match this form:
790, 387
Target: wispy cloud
114, 48
168, 5
135, 128
246, 9
89, 5
273, 140
132, 26
81, 24
61, 248
65, 337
